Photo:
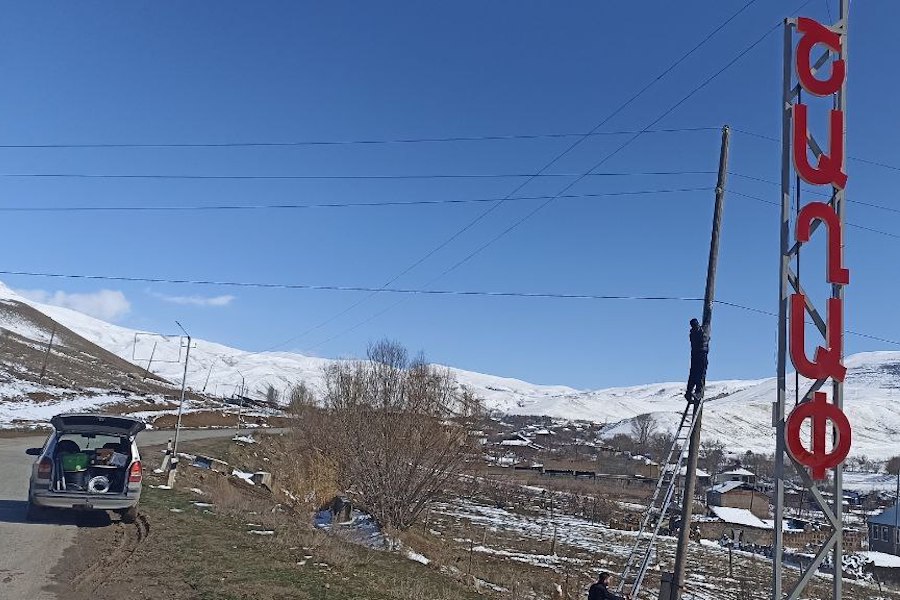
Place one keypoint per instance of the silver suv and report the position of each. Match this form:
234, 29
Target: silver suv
89, 462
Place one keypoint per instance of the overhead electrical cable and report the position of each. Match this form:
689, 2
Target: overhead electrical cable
548, 165
273, 144
628, 142
404, 291
849, 157
775, 315
848, 224
374, 204
530, 176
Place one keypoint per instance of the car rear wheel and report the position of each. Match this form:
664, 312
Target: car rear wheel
129, 515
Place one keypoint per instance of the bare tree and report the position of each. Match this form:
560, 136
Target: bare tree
397, 431
500, 493
712, 452
271, 394
893, 465
660, 444
642, 428
622, 442
302, 399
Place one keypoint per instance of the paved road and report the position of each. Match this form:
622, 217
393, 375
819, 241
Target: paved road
29, 551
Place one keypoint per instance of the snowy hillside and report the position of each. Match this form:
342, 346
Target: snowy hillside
738, 412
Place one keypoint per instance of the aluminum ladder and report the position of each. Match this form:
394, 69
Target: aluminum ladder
658, 508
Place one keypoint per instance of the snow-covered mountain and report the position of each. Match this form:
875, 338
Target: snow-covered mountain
737, 412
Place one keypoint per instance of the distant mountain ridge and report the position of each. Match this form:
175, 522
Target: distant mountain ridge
738, 412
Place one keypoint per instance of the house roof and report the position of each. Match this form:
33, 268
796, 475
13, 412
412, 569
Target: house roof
882, 559
738, 516
728, 486
739, 472
888, 517
515, 443
683, 471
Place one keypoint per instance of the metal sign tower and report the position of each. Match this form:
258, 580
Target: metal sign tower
815, 66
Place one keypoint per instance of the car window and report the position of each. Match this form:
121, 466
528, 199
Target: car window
92, 442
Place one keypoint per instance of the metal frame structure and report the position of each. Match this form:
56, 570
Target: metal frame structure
166, 337
790, 280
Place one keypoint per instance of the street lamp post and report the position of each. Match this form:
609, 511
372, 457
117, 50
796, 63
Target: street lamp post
174, 463
241, 405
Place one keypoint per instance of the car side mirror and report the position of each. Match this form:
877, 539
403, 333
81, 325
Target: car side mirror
34, 451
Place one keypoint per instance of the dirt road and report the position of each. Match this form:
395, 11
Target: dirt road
29, 551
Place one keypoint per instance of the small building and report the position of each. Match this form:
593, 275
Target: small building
736, 494
884, 536
521, 441
738, 474
646, 468
703, 479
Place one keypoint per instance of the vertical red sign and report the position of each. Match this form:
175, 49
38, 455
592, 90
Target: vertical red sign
827, 361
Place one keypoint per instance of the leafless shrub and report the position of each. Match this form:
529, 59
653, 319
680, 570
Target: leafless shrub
712, 455
393, 431
500, 493
642, 429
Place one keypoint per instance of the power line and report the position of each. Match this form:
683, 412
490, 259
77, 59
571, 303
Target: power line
849, 224
553, 161
407, 291
858, 159
772, 314
530, 176
628, 142
385, 203
347, 288
547, 202
271, 144
810, 191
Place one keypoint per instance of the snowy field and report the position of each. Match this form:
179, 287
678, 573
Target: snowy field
565, 548
737, 412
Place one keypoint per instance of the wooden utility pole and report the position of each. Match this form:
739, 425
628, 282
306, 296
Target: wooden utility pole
684, 535
47, 354
150, 362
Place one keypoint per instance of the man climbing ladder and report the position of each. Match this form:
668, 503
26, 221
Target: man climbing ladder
699, 361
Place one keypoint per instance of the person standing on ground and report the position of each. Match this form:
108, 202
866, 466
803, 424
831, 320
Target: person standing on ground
699, 361
600, 590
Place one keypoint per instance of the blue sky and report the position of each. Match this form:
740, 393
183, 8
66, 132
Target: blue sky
148, 72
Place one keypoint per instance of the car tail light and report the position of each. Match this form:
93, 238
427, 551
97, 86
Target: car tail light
45, 467
135, 475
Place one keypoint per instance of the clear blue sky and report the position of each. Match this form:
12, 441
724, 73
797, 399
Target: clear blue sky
146, 72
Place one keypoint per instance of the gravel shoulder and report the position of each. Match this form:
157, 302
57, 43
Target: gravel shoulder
31, 550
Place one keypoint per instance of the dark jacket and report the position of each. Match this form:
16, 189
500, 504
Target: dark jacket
599, 591
699, 341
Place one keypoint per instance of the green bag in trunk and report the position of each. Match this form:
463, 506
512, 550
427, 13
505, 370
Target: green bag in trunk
74, 462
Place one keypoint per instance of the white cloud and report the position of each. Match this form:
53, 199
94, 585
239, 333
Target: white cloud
109, 305
224, 300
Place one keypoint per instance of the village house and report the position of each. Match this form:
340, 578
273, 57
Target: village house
737, 494
884, 535
738, 474
646, 468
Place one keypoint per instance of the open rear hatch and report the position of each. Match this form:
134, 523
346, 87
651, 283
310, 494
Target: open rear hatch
113, 425
92, 455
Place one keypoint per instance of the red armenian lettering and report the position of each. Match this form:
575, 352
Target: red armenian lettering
820, 211
811, 34
827, 361
820, 411
829, 168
